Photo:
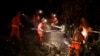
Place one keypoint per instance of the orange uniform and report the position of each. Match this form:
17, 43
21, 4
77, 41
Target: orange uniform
76, 41
15, 27
40, 31
36, 20
86, 30
41, 28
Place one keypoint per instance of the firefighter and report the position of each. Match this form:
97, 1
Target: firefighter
15, 31
41, 29
54, 22
86, 29
36, 20
77, 40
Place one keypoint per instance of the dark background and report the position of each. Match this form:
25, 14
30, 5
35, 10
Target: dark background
88, 8
69, 11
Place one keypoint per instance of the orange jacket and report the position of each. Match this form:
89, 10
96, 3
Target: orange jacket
16, 21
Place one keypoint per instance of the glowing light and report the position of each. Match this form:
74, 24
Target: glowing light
54, 15
40, 11
84, 32
45, 20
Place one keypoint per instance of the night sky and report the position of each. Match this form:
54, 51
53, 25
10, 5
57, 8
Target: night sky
9, 8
